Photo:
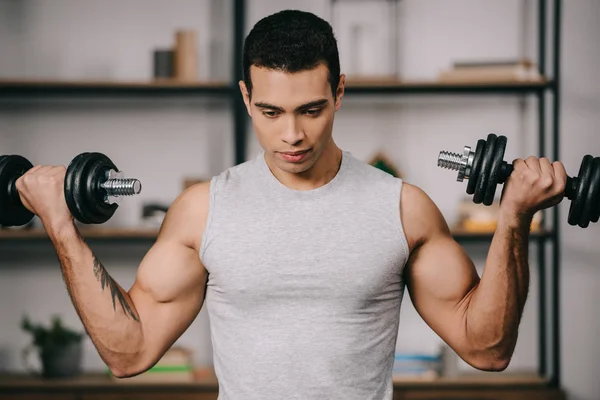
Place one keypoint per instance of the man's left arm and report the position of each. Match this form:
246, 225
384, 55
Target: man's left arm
478, 317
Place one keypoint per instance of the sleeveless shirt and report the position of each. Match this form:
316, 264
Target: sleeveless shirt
304, 287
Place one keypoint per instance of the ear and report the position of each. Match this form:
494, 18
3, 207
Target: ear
245, 96
339, 93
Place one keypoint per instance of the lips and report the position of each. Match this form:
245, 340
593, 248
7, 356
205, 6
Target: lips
294, 156
294, 153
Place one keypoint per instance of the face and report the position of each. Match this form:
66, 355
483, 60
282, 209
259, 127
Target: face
292, 115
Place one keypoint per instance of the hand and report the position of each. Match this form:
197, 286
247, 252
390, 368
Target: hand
41, 190
534, 184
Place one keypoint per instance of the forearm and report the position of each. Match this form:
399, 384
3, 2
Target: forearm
497, 302
105, 309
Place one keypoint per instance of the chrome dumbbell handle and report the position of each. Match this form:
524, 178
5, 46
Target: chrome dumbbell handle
117, 186
457, 162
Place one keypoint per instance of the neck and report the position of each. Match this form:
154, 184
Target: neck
321, 172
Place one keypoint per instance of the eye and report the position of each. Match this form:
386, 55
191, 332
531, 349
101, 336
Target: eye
270, 114
313, 112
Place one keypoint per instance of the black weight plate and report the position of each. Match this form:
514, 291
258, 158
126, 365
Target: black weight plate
92, 171
85, 175
583, 182
595, 215
4, 195
97, 167
73, 189
12, 211
495, 169
484, 173
474, 174
73, 192
70, 188
590, 206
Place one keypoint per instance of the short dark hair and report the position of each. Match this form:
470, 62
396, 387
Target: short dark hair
292, 41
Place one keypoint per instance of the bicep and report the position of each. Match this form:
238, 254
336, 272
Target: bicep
440, 276
168, 294
168, 291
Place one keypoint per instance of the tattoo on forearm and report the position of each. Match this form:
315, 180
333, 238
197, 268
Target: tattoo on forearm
106, 281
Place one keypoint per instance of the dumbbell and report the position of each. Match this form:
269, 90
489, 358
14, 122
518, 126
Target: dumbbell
12, 211
485, 169
92, 187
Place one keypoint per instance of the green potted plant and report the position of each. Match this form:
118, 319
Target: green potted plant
59, 348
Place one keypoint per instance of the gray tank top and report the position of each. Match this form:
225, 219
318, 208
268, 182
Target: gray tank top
304, 287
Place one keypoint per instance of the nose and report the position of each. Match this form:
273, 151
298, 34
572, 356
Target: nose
293, 134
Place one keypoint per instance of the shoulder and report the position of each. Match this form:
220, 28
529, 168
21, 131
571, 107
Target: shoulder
187, 215
238, 173
369, 178
421, 217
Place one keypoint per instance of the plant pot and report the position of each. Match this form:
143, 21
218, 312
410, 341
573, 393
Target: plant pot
61, 361
57, 361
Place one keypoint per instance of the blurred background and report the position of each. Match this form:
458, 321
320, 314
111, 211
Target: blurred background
153, 85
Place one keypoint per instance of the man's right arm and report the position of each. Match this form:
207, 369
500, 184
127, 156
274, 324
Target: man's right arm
133, 329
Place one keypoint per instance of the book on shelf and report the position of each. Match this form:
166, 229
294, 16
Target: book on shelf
491, 71
175, 366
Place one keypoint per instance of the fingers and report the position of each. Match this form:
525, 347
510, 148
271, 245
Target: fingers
561, 175
557, 172
533, 164
551, 176
59, 170
519, 163
547, 177
546, 168
35, 168
47, 171
541, 172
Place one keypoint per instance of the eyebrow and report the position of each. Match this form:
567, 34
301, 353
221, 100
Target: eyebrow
302, 107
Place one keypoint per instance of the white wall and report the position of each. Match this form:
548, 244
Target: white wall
580, 276
160, 141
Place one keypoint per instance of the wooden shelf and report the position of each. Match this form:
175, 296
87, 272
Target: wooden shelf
364, 86
95, 386
462, 235
525, 377
207, 378
150, 234
124, 234
395, 86
9, 87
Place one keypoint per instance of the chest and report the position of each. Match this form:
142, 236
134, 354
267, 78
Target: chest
323, 255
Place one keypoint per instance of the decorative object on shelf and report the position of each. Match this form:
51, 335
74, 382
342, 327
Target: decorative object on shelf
59, 348
449, 361
473, 218
491, 71
164, 64
367, 34
176, 365
381, 161
419, 366
186, 55
153, 214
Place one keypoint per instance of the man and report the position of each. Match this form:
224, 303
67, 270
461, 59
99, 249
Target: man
301, 254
